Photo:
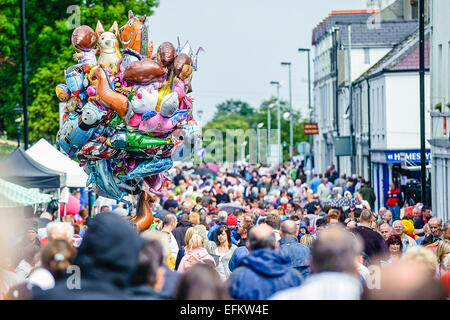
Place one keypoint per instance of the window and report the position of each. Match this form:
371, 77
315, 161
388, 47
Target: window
366, 56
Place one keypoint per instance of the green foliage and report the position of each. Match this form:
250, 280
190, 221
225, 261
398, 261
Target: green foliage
233, 114
49, 52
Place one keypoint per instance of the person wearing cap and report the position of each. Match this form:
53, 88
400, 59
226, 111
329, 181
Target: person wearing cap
232, 223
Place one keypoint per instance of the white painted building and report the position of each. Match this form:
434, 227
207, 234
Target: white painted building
389, 93
440, 108
330, 42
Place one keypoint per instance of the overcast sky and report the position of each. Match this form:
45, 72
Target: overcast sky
245, 41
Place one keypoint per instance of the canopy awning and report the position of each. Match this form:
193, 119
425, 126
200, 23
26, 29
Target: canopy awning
21, 169
48, 156
14, 196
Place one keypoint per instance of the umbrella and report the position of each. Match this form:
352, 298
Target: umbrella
343, 202
15, 196
161, 213
229, 207
213, 166
205, 172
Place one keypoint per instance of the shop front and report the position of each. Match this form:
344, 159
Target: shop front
403, 168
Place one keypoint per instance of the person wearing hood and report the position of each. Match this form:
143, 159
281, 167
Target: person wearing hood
263, 272
195, 251
180, 231
107, 260
148, 279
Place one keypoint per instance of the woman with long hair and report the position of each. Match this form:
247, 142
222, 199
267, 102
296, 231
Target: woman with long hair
195, 251
224, 251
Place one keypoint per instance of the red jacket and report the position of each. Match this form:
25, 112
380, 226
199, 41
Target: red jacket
393, 197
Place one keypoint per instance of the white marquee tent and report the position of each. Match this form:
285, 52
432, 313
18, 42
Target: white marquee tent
48, 156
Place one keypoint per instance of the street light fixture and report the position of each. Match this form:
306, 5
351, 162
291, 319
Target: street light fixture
291, 132
278, 84
18, 121
270, 106
309, 99
258, 127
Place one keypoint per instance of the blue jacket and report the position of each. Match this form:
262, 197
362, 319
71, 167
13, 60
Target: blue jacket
314, 184
296, 253
235, 235
260, 275
212, 234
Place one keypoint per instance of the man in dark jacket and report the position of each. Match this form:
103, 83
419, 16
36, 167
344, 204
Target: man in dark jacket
435, 225
180, 231
263, 272
367, 193
374, 245
107, 260
298, 254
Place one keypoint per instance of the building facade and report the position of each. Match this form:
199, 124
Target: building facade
440, 108
389, 94
341, 55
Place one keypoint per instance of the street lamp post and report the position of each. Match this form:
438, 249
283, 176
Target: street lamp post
309, 99
278, 84
291, 133
270, 106
17, 109
258, 127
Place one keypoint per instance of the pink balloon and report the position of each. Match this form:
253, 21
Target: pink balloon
72, 207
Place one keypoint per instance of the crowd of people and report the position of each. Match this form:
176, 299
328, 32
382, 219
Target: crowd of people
245, 232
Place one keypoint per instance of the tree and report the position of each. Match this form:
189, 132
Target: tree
49, 52
240, 115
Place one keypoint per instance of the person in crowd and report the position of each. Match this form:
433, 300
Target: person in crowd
334, 257
169, 224
224, 251
315, 182
374, 245
393, 201
406, 280
201, 282
56, 258
399, 230
263, 272
446, 230
274, 221
395, 246
232, 222
385, 230
243, 230
60, 231
222, 220
171, 277
307, 240
298, 254
222, 196
148, 278
180, 231
108, 258
367, 193
324, 190
195, 251
436, 232
426, 232
443, 250
30, 258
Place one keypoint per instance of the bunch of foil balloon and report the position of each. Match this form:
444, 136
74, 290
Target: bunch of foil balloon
127, 110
